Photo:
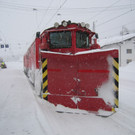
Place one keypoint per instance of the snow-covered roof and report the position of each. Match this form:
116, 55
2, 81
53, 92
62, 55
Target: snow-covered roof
116, 39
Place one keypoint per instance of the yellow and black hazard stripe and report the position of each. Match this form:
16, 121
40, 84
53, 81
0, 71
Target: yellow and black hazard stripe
116, 81
44, 79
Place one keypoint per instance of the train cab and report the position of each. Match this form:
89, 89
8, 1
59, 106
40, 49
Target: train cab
68, 38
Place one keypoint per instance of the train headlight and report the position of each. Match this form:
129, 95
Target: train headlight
56, 25
87, 25
64, 23
82, 24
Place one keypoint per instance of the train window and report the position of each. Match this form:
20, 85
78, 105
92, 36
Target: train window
60, 39
82, 39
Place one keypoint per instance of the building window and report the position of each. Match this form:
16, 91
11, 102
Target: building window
6, 45
129, 50
2, 46
129, 60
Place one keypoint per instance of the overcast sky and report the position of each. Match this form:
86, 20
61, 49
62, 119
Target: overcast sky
21, 19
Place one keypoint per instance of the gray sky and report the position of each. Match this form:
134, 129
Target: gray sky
21, 19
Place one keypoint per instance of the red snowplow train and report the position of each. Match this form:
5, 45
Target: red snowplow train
67, 67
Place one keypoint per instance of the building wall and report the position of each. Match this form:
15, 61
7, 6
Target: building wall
15, 52
126, 51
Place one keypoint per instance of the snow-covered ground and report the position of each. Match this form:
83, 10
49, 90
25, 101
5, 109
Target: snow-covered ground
23, 113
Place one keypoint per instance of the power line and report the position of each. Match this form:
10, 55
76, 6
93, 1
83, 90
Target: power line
26, 7
114, 28
78, 10
116, 17
19, 6
103, 10
45, 13
56, 12
15, 6
30, 7
70, 12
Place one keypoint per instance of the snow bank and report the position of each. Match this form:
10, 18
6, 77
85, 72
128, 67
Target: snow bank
128, 72
129, 68
15, 65
127, 87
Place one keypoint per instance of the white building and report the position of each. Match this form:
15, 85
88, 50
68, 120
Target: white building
12, 52
126, 46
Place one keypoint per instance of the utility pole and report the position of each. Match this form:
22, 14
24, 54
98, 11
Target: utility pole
36, 17
94, 27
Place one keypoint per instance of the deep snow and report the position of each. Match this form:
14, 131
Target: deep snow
23, 113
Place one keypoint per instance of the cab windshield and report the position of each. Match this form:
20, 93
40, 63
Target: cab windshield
60, 39
82, 39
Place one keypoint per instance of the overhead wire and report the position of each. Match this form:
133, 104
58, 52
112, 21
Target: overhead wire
39, 8
19, 6
116, 17
15, 6
120, 26
103, 10
45, 13
91, 11
56, 12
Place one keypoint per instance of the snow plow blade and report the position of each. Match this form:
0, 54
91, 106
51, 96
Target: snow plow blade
86, 80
